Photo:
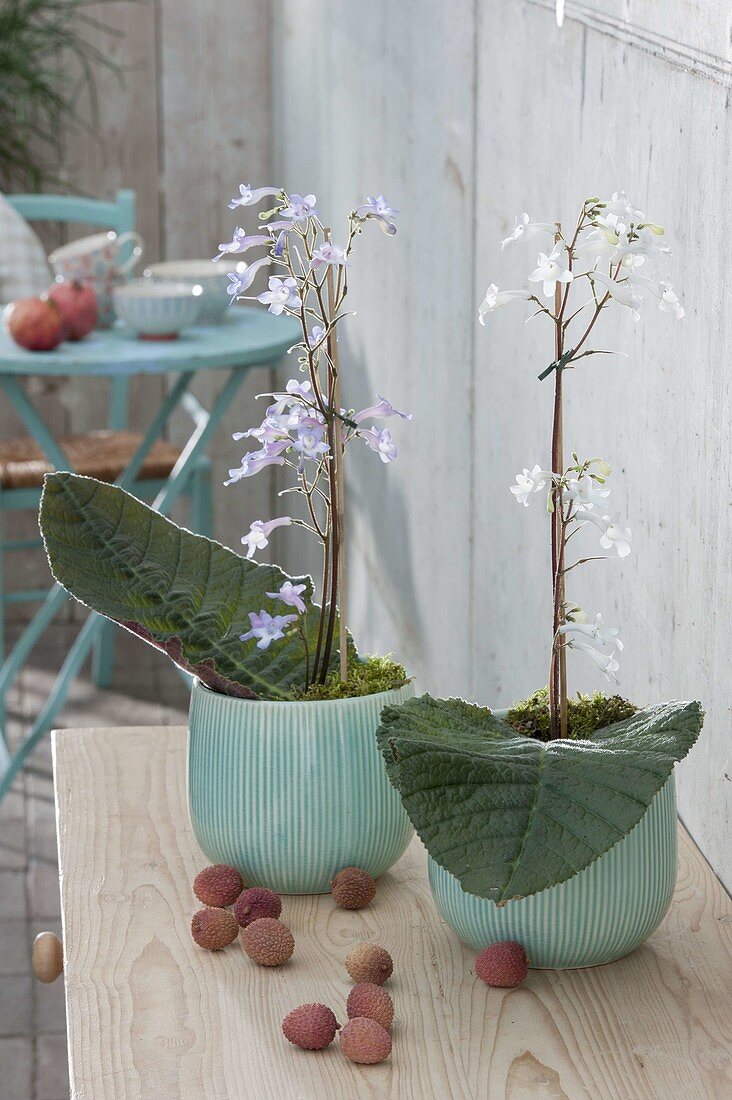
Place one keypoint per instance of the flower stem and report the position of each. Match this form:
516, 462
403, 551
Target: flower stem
337, 459
558, 670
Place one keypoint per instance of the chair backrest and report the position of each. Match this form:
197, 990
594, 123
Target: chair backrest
118, 215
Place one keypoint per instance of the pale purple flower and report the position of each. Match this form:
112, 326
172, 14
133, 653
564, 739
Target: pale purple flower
379, 412
290, 594
237, 284
286, 416
331, 254
295, 390
317, 332
245, 278
254, 461
259, 533
249, 196
380, 442
377, 208
240, 242
282, 294
279, 246
310, 442
299, 208
266, 628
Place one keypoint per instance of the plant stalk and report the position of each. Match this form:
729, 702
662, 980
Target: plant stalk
558, 670
337, 460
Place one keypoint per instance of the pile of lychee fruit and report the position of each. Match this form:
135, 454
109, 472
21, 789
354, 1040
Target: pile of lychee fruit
365, 1038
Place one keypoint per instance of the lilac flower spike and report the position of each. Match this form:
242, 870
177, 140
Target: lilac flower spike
240, 242
266, 628
290, 594
381, 443
282, 295
377, 208
248, 196
259, 533
380, 412
331, 254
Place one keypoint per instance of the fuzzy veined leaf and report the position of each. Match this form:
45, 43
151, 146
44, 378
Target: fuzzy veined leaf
509, 815
182, 593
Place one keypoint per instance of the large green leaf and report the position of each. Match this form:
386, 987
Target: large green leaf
509, 815
181, 592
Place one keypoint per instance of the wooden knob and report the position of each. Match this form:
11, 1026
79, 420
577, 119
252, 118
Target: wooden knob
48, 957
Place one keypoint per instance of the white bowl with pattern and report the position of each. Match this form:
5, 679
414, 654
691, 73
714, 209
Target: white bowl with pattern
157, 310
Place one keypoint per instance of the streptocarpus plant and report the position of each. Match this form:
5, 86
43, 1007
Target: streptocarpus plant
215, 613
509, 814
307, 429
581, 276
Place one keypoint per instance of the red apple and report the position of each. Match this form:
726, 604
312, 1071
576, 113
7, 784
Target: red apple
77, 304
35, 323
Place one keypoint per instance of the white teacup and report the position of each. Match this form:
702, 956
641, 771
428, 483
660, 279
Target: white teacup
95, 260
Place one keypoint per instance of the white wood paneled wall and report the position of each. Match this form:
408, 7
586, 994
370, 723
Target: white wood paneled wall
464, 114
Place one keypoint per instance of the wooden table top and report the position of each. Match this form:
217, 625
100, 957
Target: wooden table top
150, 1015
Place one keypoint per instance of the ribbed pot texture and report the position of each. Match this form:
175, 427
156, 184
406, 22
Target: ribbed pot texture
599, 915
291, 792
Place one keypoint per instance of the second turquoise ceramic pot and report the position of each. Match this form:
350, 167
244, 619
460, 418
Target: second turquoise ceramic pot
289, 793
599, 915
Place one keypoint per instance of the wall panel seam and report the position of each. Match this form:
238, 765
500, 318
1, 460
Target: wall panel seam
680, 55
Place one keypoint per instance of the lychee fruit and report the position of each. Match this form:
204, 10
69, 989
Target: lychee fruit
353, 888
368, 963
267, 941
311, 1027
218, 885
214, 928
365, 1041
503, 964
367, 999
257, 902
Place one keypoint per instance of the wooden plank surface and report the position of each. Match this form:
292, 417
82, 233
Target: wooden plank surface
150, 1015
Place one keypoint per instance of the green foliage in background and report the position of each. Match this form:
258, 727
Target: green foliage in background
47, 70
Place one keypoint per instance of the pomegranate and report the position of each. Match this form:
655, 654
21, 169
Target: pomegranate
77, 304
35, 324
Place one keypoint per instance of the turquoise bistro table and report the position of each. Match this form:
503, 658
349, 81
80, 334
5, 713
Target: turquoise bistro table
247, 337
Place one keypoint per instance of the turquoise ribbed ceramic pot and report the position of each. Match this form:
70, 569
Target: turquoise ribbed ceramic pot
291, 792
601, 914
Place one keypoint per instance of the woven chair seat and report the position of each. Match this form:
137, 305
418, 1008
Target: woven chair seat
103, 455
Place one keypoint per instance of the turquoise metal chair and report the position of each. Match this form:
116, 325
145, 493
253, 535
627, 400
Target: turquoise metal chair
118, 215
